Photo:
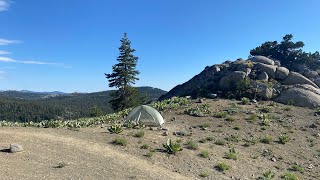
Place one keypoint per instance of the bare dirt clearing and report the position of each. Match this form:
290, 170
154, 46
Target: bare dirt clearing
206, 141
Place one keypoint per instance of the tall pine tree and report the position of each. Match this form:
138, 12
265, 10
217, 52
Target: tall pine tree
123, 75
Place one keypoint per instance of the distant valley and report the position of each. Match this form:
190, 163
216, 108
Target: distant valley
24, 106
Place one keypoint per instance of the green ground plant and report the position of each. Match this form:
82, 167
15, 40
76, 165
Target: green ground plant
231, 154
223, 167
139, 134
283, 138
199, 111
119, 142
290, 176
116, 129
171, 147
204, 154
192, 145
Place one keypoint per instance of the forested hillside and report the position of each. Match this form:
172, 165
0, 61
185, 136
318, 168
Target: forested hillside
32, 106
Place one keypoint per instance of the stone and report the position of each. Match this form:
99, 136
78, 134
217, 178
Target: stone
299, 96
166, 133
296, 78
281, 73
310, 74
15, 148
313, 126
263, 90
269, 69
317, 81
229, 81
262, 59
263, 76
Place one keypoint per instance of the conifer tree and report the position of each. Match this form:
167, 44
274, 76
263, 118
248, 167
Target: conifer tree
123, 75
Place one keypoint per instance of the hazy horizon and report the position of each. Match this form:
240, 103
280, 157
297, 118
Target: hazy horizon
67, 46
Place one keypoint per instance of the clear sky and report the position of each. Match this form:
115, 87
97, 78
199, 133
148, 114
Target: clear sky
68, 45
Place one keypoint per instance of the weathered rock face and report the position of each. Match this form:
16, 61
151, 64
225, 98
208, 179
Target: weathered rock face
296, 78
282, 73
310, 74
317, 81
263, 90
269, 69
270, 81
229, 81
262, 59
263, 76
299, 96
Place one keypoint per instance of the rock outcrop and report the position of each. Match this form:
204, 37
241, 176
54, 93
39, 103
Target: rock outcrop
269, 69
296, 78
229, 81
262, 59
282, 73
299, 96
265, 78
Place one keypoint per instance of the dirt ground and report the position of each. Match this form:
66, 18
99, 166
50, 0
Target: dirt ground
88, 153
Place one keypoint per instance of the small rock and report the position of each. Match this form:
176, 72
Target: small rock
310, 166
15, 148
274, 159
165, 129
200, 100
318, 135
313, 126
165, 133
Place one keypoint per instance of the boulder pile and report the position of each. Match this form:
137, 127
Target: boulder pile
270, 80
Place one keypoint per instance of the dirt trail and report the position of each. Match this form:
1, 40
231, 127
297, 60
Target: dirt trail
102, 161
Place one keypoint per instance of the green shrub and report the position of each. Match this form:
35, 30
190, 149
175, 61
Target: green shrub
283, 138
252, 118
145, 146
249, 142
230, 119
223, 167
204, 174
173, 103
172, 148
139, 134
266, 109
245, 100
149, 154
297, 168
267, 140
231, 154
221, 142
116, 128
199, 111
268, 175
204, 154
232, 138
119, 142
192, 145
265, 120
290, 176
221, 114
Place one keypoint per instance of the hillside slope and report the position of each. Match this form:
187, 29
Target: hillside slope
32, 106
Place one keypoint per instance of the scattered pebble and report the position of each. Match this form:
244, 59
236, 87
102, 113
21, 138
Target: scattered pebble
15, 148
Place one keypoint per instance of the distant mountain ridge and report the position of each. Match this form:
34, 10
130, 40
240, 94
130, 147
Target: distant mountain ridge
36, 106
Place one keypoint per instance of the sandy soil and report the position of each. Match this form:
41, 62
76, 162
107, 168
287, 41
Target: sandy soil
89, 154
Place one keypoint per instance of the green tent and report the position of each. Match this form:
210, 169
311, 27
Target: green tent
145, 115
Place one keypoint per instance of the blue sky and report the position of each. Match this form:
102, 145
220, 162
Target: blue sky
68, 45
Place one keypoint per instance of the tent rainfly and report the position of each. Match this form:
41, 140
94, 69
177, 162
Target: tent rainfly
145, 115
